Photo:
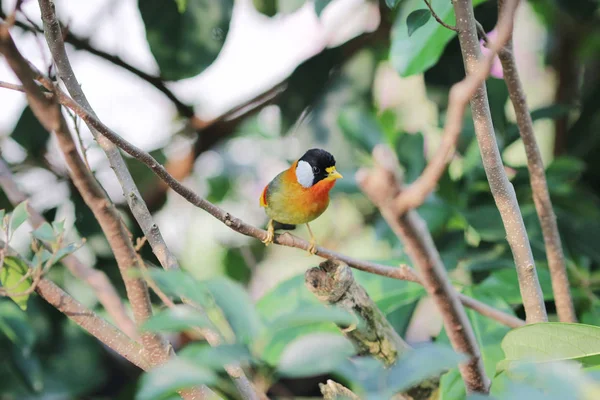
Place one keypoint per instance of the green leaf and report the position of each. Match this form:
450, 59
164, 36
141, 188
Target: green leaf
181, 5
305, 356
31, 135
215, 357
266, 7
58, 227
552, 341
312, 315
176, 319
487, 222
180, 284
18, 216
28, 366
320, 6
185, 43
12, 272
379, 382
417, 19
2, 214
45, 233
504, 284
237, 307
410, 149
392, 3
168, 378
65, 251
360, 127
16, 327
417, 53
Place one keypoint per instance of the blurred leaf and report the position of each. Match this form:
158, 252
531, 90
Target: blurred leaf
378, 382
65, 251
235, 265
314, 314
215, 357
504, 284
13, 270
360, 128
237, 307
415, 366
178, 283
320, 6
412, 55
417, 19
549, 112
392, 3
410, 149
31, 135
185, 43
487, 222
305, 357
579, 234
494, 258
18, 216
219, 186
16, 327
181, 5
29, 368
143, 177
266, 7
168, 378
176, 319
2, 215
44, 233
562, 173
289, 6
552, 341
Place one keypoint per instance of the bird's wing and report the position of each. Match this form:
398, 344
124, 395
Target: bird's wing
263, 197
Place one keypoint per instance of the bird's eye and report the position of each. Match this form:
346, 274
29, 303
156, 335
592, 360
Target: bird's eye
316, 170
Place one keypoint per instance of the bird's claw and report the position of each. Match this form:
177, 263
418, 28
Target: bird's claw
269, 239
312, 249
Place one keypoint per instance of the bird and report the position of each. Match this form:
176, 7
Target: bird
300, 194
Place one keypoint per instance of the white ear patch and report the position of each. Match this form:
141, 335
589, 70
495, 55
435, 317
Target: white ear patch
304, 174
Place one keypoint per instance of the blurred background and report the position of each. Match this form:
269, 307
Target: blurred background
228, 93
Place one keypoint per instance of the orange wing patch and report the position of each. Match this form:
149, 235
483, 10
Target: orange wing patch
263, 197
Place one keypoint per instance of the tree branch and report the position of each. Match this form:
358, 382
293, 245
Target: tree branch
97, 280
438, 19
136, 203
333, 390
382, 187
332, 282
404, 272
539, 187
87, 319
501, 188
48, 113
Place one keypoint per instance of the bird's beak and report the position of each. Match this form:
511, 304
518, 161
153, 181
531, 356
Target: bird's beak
332, 174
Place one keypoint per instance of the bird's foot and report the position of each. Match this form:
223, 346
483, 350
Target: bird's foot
312, 248
270, 234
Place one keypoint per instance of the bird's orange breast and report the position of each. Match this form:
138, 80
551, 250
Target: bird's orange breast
288, 202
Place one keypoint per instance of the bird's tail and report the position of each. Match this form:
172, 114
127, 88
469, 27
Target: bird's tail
285, 227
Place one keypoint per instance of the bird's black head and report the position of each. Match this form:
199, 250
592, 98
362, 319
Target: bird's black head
321, 165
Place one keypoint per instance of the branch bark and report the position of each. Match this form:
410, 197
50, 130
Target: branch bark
106, 333
539, 187
404, 272
97, 280
382, 187
332, 282
502, 190
48, 113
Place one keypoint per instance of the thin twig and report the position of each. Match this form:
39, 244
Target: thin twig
438, 19
88, 320
54, 38
382, 187
97, 280
82, 147
402, 273
539, 186
48, 113
477, 68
